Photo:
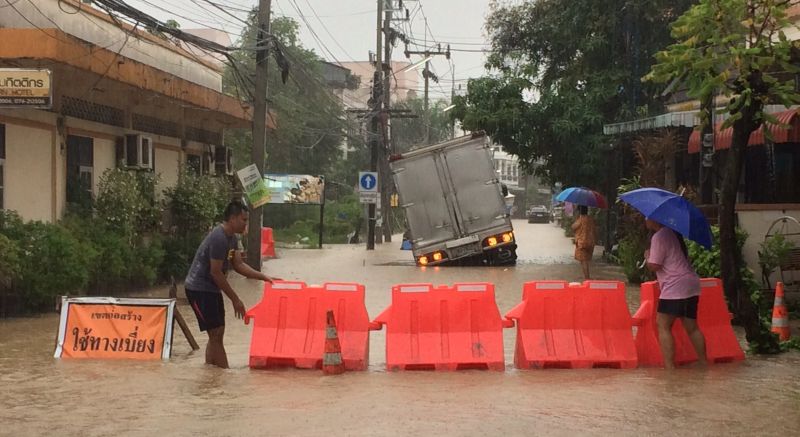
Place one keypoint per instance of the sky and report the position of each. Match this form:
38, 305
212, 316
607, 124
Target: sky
345, 30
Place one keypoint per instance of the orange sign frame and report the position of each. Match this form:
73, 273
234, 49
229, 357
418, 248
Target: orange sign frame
115, 328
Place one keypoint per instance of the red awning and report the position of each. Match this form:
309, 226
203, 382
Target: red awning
780, 134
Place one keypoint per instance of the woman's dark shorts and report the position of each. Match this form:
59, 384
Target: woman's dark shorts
686, 308
208, 307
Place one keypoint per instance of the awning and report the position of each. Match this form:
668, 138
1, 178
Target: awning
670, 119
780, 133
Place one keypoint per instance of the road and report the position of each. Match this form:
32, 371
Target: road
41, 395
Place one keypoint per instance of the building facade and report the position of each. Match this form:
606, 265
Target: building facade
120, 96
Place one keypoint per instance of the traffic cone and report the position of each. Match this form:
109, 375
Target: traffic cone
780, 315
332, 363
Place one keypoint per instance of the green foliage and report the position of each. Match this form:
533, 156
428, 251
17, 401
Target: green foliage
10, 262
409, 133
196, 202
126, 201
562, 69
736, 48
309, 116
55, 263
630, 254
774, 252
341, 218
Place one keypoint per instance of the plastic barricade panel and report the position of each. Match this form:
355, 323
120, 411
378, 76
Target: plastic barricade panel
289, 328
267, 243
443, 328
562, 325
713, 319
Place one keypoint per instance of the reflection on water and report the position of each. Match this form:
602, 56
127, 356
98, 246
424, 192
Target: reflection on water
41, 395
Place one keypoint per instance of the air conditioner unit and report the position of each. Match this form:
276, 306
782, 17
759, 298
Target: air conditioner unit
138, 151
223, 160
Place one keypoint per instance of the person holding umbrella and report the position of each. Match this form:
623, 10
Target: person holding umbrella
585, 239
584, 226
671, 217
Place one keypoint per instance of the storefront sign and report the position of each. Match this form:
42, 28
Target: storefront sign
25, 88
111, 328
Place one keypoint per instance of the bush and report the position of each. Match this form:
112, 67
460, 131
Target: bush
196, 202
630, 254
10, 262
126, 201
54, 263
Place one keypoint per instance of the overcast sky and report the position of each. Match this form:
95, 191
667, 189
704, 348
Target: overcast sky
344, 30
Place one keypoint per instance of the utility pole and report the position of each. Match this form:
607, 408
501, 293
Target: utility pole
428, 74
452, 98
260, 113
384, 173
374, 131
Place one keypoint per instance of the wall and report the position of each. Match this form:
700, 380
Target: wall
167, 164
28, 171
756, 220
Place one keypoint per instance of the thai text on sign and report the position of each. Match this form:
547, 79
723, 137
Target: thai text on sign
112, 328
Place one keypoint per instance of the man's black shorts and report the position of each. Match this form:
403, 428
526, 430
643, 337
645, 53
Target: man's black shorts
208, 307
686, 308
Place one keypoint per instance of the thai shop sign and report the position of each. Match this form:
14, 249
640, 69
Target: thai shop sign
295, 188
25, 88
254, 186
114, 328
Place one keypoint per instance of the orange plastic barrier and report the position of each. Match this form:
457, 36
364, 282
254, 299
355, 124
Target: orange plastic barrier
443, 328
561, 325
290, 322
713, 318
267, 243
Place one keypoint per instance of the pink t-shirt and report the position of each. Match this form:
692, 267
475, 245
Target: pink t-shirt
676, 278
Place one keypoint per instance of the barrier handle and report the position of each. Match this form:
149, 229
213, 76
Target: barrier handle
383, 317
642, 314
508, 323
515, 312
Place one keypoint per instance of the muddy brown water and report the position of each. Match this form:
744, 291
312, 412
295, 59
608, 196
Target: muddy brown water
40, 395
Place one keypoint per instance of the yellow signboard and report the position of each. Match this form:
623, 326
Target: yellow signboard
25, 88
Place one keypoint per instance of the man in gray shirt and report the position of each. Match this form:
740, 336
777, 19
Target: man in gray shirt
207, 280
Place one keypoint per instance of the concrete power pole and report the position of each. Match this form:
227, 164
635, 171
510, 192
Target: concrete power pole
260, 113
374, 131
385, 173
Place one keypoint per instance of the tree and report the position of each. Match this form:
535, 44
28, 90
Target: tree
560, 70
410, 132
310, 119
737, 49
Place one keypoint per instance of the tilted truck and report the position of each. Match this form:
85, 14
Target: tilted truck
453, 204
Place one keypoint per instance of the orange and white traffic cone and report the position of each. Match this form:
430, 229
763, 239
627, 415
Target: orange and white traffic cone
332, 363
780, 315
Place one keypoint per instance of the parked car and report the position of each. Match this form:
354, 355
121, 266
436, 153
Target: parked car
538, 214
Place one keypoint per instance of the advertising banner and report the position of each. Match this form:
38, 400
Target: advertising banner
293, 188
115, 328
254, 187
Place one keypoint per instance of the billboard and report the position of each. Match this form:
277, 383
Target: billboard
293, 188
25, 88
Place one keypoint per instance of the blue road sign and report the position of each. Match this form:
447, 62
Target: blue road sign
368, 180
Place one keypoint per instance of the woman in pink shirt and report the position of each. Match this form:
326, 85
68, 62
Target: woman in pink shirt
680, 290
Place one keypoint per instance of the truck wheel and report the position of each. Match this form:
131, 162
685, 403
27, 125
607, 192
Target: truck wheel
502, 256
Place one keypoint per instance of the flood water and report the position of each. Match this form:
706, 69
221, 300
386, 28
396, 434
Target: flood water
40, 395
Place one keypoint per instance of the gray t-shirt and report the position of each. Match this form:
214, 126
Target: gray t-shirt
216, 246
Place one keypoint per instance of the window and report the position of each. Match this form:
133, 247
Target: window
80, 170
2, 162
193, 163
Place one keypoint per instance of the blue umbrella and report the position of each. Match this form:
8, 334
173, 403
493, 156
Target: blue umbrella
672, 211
582, 196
